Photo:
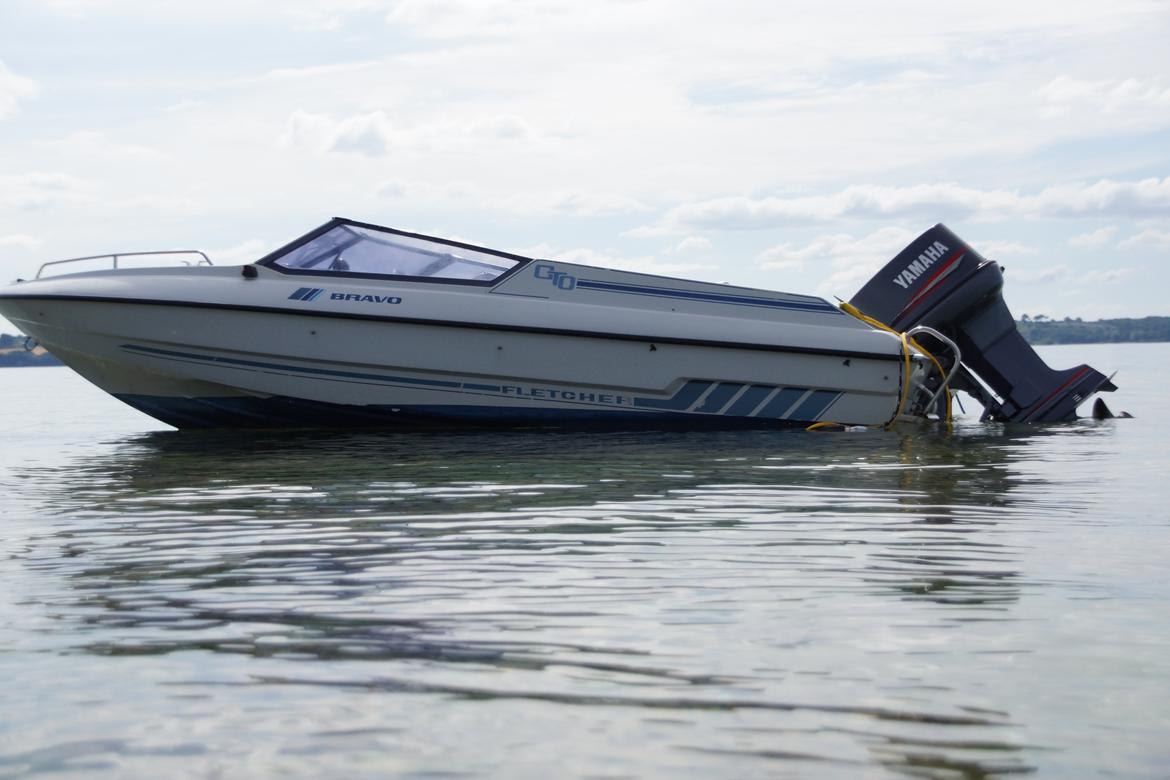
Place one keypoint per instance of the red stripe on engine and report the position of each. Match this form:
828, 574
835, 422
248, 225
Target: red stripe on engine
948, 266
1075, 377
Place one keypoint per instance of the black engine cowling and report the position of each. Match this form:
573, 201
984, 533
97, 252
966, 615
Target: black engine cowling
941, 282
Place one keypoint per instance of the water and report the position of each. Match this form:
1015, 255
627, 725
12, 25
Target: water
987, 602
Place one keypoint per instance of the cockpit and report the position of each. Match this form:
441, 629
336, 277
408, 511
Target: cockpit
357, 249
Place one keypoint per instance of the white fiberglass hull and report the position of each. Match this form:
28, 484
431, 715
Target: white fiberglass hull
208, 348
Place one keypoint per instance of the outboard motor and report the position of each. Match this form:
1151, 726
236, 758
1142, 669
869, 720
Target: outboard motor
941, 282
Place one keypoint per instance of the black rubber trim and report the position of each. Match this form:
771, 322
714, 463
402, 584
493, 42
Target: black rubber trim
466, 325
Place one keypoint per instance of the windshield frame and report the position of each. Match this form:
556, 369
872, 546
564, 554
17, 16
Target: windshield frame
270, 259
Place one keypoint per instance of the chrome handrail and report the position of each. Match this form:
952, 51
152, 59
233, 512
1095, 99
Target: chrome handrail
946, 380
115, 257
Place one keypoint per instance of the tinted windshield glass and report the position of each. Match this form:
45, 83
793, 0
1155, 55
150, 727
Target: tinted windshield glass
354, 249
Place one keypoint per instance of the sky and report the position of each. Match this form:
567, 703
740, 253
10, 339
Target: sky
789, 146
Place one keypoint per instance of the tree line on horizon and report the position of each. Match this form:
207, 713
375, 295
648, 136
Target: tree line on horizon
1041, 329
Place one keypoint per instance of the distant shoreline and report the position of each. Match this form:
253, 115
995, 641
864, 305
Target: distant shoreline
13, 354
1123, 330
1040, 331
20, 358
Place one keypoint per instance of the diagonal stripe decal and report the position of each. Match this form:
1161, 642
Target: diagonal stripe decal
681, 400
718, 398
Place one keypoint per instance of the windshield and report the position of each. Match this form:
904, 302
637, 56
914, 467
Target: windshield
363, 250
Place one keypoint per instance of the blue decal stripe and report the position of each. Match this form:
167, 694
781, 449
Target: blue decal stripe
782, 402
488, 388
718, 398
666, 292
751, 398
300, 293
279, 411
312, 296
815, 405
234, 362
683, 399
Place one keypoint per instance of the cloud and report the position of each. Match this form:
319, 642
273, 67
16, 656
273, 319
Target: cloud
27, 191
646, 264
244, 252
424, 191
502, 126
996, 249
19, 241
315, 15
330, 72
1106, 95
91, 144
497, 19
1147, 197
1047, 275
373, 134
13, 89
692, 244
1107, 276
1156, 239
1094, 239
576, 203
852, 260
1061, 273
370, 134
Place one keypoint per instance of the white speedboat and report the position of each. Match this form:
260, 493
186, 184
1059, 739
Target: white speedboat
356, 324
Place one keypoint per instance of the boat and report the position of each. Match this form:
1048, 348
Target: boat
355, 324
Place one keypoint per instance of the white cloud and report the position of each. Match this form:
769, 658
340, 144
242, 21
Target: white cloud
506, 19
90, 144
501, 126
39, 190
1147, 197
373, 134
579, 203
1107, 95
998, 249
532, 203
316, 15
369, 134
646, 264
332, 72
1107, 276
13, 89
19, 241
852, 260
692, 244
1155, 239
1063, 274
1046, 275
1094, 239
243, 252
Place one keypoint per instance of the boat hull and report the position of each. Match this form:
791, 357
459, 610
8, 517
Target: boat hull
192, 365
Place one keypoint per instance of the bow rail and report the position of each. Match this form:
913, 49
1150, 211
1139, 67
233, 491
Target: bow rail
114, 257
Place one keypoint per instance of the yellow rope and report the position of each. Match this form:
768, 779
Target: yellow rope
907, 343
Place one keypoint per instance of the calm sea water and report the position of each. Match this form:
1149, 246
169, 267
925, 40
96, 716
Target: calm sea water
985, 602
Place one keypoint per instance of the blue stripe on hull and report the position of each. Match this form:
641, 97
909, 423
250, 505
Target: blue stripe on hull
751, 398
781, 403
282, 412
718, 398
815, 405
719, 405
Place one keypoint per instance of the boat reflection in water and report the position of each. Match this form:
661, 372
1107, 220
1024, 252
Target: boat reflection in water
839, 598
